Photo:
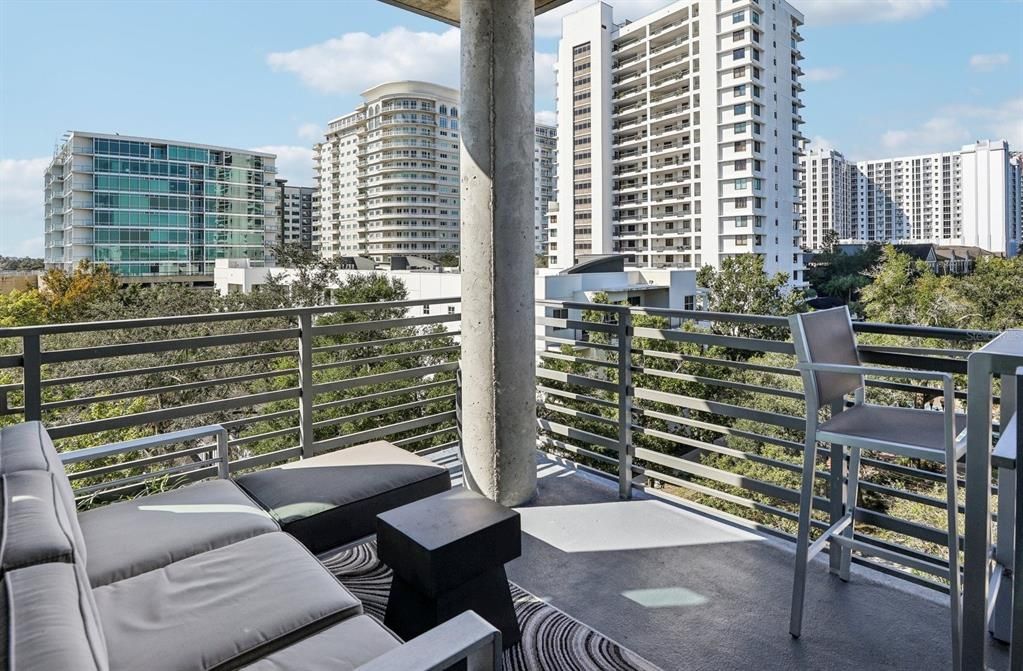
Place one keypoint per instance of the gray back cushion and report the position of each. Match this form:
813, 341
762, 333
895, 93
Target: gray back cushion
49, 620
27, 447
830, 339
36, 526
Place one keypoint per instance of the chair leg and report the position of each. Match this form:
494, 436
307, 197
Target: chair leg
803, 535
850, 509
953, 559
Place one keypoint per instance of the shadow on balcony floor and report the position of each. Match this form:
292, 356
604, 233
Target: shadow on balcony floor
689, 592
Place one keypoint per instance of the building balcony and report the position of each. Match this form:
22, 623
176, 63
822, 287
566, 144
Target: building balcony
677, 529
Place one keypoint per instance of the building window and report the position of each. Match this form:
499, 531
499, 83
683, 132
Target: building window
737, 17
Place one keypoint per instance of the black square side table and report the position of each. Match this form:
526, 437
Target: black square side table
448, 553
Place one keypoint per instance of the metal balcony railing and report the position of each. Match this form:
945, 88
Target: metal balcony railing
686, 401
284, 383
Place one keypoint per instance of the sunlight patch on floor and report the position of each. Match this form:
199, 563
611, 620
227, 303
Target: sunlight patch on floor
624, 525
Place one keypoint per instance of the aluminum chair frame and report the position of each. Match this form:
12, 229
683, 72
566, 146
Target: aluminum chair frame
841, 532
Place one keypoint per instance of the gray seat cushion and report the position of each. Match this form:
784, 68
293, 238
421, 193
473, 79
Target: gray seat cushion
343, 647
333, 499
50, 620
221, 609
132, 537
36, 526
923, 430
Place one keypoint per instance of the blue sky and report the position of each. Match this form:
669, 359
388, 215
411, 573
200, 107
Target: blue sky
884, 77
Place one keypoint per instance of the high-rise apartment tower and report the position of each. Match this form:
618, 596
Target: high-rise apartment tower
679, 135
156, 209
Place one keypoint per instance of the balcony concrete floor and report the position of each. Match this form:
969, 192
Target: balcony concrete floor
686, 591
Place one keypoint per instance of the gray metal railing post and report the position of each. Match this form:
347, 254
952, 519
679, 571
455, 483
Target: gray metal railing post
837, 487
625, 398
32, 377
305, 383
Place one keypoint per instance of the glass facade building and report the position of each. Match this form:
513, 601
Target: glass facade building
156, 208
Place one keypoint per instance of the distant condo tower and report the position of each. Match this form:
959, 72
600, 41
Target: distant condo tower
387, 175
679, 136
156, 209
966, 197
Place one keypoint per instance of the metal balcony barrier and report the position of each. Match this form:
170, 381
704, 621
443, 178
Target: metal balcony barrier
685, 401
285, 384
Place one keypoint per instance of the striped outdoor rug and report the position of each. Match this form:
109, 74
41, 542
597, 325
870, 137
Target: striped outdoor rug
551, 640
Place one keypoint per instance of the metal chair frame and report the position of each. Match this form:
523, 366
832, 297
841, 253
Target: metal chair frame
841, 532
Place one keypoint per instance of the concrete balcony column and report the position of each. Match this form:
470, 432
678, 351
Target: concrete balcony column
498, 349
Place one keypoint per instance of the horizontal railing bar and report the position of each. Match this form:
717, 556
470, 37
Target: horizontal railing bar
577, 397
268, 417
714, 340
255, 438
381, 432
577, 434
169, 389
936, 332
415, 389
383, 358
433, 449
577, 413
255, 461
575, 449
12, 361
132, 372
79, 327
144, 477
932, 364
136, 463
714, 382
724, 477
411, 440
327, 349
713, 361
719, 428
718, 408
576, 325
578, 380
557, 356
925, 351
334, 421
152, 346
383, 324
583, 344
153, 416
362, 381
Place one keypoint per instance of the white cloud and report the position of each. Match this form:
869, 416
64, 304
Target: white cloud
957, 125
829, 12
355, 61
823, 74
547, 117
548, 24
310, 131
294, 164
21, 206
986, 62
822, 143
544, 75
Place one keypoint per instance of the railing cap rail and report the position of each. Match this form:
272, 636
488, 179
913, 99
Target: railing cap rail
50, 329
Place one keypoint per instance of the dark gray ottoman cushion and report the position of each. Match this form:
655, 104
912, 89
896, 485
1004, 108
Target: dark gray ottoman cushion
132, 537
221, 609
333, 499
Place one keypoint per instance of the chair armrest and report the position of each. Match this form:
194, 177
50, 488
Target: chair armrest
217, 430
467, 637
876, 371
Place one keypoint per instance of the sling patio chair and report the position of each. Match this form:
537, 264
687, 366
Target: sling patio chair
831, 370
